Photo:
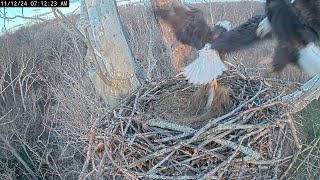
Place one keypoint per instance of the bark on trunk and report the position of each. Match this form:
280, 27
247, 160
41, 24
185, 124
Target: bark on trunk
113, 65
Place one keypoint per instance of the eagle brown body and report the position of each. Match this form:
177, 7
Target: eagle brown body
296, 28
295, 24
191, 28
189, 25
310, 12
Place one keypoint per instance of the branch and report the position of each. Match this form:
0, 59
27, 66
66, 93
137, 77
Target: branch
24, 17
170, 125
64, 20
14, 152
314, 145
301, 98
245, 150
90, 148
16, 78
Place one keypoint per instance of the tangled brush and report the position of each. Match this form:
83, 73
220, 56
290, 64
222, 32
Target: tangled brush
157, 133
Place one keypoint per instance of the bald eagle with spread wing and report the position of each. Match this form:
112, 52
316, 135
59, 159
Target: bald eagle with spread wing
295, 24
191, 28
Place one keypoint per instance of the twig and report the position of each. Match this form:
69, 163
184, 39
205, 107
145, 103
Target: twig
298, 145
245, 150
221, 127
14, 152
63, 19
16, 78
90, 148
209, 174
294, 132
173, 138
170, 125
4, 117
107, 152
263, 107
132, 113
263, 162
160, 163
103, 159
154, 176
24, 17
312, 147
284, 175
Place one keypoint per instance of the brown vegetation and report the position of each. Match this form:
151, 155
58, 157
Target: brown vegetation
47, 102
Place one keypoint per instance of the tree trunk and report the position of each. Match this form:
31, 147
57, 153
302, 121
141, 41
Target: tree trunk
179, 53
113, 64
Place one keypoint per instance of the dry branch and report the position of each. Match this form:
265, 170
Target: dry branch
170, 125
14, 152
308, 92
90, 148
157, 144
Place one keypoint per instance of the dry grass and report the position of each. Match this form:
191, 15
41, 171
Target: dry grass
47, 102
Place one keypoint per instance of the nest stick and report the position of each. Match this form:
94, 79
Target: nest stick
316, 141
132, 112
152, 145
298, 145
284, 175
245, 150
90, 147
160, 163
170, 125
214, 121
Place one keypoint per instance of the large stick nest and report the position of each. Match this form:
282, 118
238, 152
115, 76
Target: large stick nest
158, 133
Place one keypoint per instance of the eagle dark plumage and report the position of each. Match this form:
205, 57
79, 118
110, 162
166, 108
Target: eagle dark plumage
240, 36
191, 28
309, 10
296, 26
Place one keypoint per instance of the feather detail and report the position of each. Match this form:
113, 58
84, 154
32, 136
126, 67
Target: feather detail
264, 28
207, 67
225, 24
309, 59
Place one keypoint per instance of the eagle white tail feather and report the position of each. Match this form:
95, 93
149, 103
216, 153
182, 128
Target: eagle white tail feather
264, 28
225, 24
207, 67
309, 59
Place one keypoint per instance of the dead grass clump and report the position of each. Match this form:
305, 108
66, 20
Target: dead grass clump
46, 102
145, 137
